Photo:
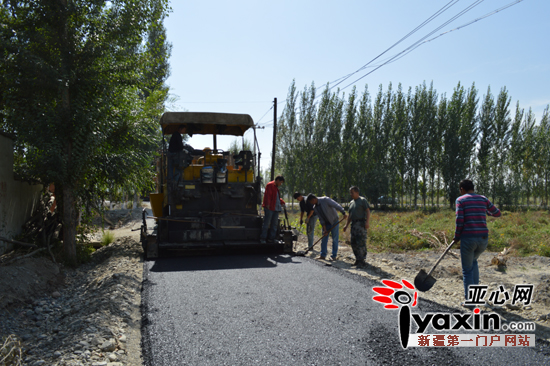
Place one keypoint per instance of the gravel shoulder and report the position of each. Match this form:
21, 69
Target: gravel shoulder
85, 316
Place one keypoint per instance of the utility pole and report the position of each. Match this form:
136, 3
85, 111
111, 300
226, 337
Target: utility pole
274, 139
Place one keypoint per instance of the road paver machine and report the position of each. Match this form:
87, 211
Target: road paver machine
211, 200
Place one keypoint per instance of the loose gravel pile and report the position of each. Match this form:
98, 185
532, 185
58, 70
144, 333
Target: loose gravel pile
93, 320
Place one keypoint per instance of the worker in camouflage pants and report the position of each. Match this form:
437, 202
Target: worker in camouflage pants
359, 216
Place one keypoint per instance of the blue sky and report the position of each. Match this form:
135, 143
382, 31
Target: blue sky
236, 56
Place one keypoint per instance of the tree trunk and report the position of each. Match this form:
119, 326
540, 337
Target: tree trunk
546, 190
69, 200
438, 187
69, 226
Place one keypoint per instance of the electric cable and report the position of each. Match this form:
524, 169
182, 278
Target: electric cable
461, 13
461, 26
423, 39
425, 22
264, 115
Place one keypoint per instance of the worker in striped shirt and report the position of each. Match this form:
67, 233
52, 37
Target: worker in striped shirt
471, 230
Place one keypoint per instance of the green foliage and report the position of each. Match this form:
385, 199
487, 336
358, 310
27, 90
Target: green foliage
107, 238
82, 88
84, 252
239, 145
415, 146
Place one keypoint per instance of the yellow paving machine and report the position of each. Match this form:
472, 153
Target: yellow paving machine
208, 200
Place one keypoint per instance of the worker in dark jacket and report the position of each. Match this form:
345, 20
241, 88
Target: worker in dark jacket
327, 211
311, 217
272, 205
175, 147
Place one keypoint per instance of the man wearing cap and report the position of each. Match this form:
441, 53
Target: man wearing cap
327, 211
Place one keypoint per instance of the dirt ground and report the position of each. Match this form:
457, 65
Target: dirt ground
24, 279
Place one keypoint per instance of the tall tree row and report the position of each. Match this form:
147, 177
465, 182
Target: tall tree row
414, 146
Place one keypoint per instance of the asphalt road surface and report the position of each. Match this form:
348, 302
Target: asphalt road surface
283, 310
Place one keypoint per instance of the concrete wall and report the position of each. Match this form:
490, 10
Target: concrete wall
17, 199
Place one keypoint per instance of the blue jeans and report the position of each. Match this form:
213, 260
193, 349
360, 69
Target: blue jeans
271, 220
333, 229
470, 250
310, 229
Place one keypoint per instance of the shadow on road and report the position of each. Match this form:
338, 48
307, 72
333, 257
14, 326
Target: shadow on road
220, 262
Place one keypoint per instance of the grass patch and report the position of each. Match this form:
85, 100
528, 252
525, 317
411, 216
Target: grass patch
107, 238
84, 252
528, 232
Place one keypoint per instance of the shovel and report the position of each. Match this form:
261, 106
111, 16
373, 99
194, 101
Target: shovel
287, 227
302, 253
424, 281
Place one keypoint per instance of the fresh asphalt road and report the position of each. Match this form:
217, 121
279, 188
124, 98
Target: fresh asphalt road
283, 310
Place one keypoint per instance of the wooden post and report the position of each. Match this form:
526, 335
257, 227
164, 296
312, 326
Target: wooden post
274, 139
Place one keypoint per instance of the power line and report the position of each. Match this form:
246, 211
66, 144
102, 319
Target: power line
268, 123
264, 115
432, 17
403, 53
421, 40
460, 27
417, 43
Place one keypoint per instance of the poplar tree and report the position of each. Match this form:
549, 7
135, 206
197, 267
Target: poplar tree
400, 137
529, 157
287, 137
500, 146
459, 139
364, 120
307, 148
442, 122
417, 136
433, 138
486, 144
349, 144
322, 152
70, 81
515, 156
543, 146
334, 147
388, 120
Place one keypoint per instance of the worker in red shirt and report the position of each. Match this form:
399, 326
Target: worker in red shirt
272, 205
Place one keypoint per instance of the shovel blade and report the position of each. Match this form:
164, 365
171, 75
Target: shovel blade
423, 282
301, 253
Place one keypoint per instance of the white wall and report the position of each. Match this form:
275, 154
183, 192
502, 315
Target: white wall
17, 199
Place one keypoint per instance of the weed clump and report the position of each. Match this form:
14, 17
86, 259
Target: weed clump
107, 238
